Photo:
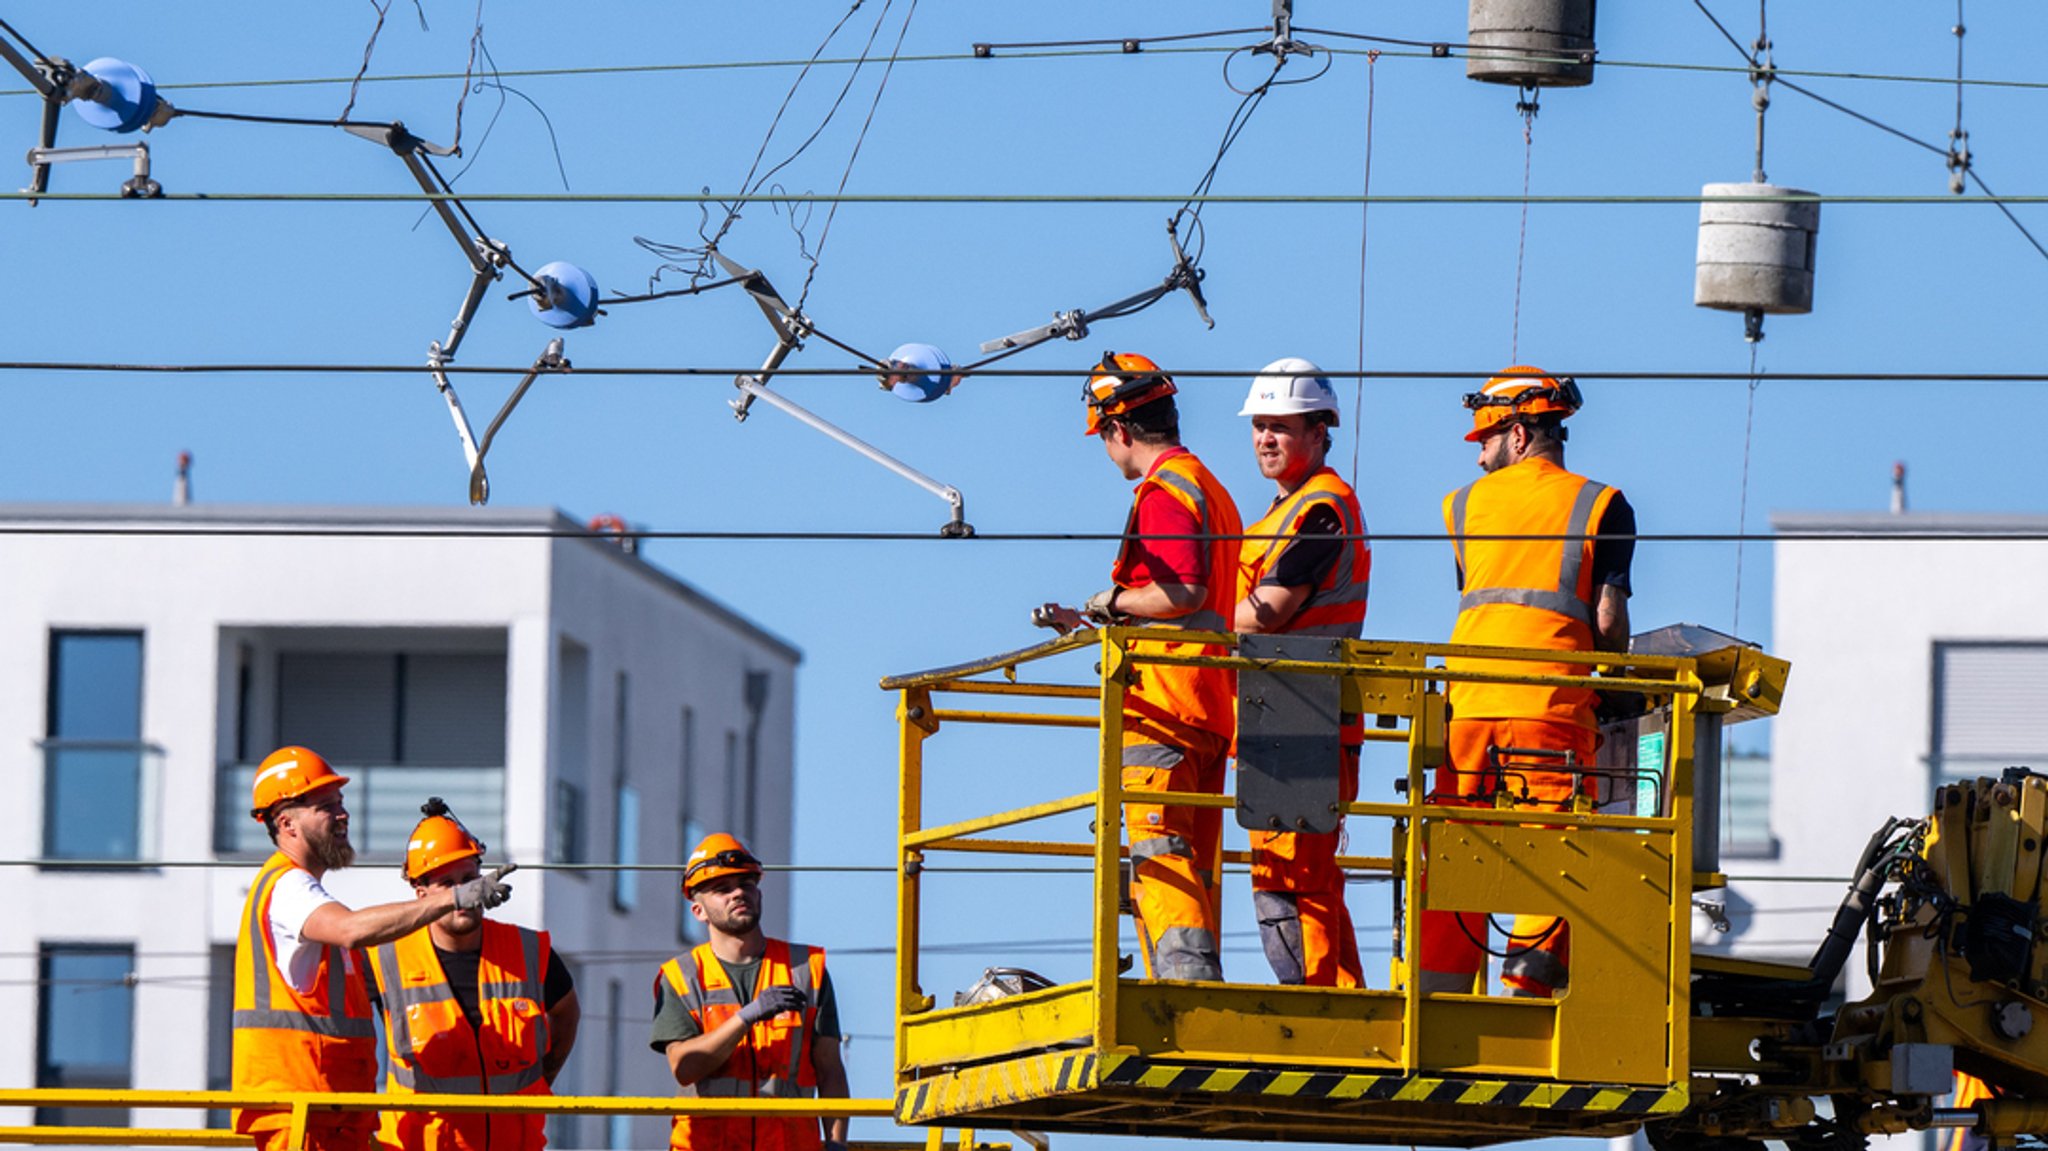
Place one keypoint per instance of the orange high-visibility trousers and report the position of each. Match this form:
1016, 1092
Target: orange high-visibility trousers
1298, 893
1453, 944
1177, 855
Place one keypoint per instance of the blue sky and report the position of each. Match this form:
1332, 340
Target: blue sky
1947, 287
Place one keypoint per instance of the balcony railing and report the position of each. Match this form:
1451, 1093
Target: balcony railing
383, 805
102, 799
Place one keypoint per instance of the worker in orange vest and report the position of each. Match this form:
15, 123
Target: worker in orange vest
1303, 570
743, 1016
302, 1013
471, 1006
1563, 586
1177, 568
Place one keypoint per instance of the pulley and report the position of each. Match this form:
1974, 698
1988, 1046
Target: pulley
1530, 43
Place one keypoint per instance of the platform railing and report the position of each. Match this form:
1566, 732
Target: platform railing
1412, 677
302, 1105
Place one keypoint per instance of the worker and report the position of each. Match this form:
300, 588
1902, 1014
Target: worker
1303, 570
1561, 582
1177, 568
302, 1010
471, 1006
743, 1016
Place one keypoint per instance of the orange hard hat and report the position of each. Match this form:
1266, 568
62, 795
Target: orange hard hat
1121, 382
1518, 392
718, 856
288, 773
438, 840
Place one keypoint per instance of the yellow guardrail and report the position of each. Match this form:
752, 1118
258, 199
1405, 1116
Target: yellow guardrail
303, 1104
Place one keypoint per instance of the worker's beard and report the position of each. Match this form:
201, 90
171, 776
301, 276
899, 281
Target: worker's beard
735, 922
332, 852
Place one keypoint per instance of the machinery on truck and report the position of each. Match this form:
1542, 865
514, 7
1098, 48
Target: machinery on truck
1699, 1052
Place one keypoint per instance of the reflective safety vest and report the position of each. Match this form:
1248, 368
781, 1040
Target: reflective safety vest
1164, 701
321, 1040
1527, 593
1336, 606
772, 1061
434, 1050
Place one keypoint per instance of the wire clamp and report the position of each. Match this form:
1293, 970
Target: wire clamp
1958, 160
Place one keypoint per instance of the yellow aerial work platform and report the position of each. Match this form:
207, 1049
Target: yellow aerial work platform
1117, 1053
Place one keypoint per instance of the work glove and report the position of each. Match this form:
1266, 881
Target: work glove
1100, 607
485, 891
773, 1001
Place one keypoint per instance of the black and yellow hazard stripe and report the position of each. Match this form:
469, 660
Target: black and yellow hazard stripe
1040, 1076
973, 1089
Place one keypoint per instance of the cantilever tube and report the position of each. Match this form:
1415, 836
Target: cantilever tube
947, 492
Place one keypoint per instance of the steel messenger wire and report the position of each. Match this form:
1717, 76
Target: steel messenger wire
1229, 374
1845, 535
1298, 199
1109, 50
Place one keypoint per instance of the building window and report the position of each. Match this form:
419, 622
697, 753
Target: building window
735, 802
572, 755
99, 778
690, 827
85, 1027
1987, 714
1746, 806
402, 725
625, 807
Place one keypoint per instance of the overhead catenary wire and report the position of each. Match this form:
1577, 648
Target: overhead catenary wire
1304, 199
601, 70
56, 526
1948, 154
1372, 60
817, 253
1061, 373
701, 254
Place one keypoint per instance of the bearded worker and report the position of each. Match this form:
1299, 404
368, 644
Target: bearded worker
743, 1016
302, 1011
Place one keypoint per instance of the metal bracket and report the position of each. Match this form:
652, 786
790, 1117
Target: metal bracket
791, 326
1283, 44
473, 451
136, 187
1073, 325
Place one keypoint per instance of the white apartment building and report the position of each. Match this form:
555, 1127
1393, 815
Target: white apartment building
1914, 661
573, 703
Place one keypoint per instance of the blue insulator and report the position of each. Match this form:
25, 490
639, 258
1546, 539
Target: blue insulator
923, 373
126, 100
568, 296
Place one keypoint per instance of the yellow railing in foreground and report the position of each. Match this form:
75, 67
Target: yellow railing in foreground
302, 1104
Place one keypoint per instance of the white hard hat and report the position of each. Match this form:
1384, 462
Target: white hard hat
1290, 387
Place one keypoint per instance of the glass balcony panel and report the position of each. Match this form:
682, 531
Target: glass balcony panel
383, 806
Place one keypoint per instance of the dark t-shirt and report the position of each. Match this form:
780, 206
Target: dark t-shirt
1307, 559
461, 969
672, 1022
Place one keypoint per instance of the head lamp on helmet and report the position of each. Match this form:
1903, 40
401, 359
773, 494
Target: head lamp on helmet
718, 856
1515, 396
438, 840
1121, 382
